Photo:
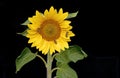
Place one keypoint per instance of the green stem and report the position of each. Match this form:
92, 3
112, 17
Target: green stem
49, 65
42, 59
54, 56
56, 68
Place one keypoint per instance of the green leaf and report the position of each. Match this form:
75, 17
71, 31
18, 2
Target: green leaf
73, 54
25, 57
76, 53
63, 57
85, 55
66, 72
72, 15
26, 22
24, 33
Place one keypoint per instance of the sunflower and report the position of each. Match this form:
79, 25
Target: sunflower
49, 32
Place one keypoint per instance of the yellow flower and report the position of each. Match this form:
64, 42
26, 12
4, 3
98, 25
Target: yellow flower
49, 32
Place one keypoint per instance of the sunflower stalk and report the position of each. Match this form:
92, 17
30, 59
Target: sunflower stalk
49, 65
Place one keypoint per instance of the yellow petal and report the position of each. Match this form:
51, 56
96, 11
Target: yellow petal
65, 24
71, 34
32, 26
60, 44
39, 17
66, 44
38, 14
40, 45
57, 47
34, 44
52, 12
52, 50
32, 35
63, 43
46, 13
32, 19
43, 46
60, 11
37, 41
33, 38
46, 50
31, 31
61, 17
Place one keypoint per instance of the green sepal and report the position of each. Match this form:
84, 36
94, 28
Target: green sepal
26, 22
72, 15
24, 33
25, 57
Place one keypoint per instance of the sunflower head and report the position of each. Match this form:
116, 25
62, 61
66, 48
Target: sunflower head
49, 32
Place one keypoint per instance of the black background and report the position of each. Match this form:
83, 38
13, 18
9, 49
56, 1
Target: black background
95, 28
